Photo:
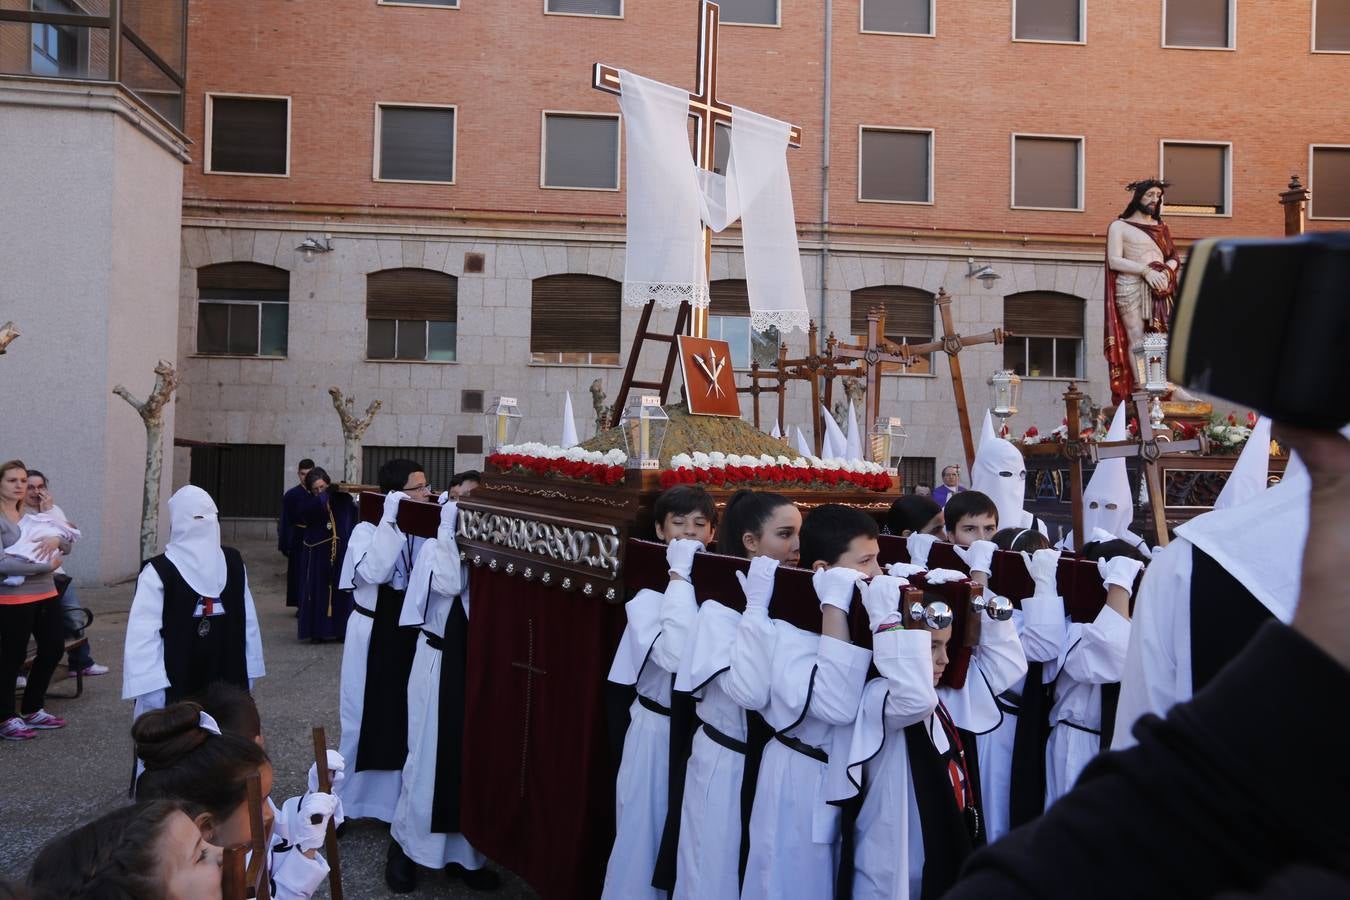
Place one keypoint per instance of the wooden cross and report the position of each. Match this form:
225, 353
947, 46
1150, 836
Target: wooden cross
530, 670
815, 367
879, 350
706, 110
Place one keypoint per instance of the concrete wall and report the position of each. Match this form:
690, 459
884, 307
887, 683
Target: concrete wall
93, 192
285, 401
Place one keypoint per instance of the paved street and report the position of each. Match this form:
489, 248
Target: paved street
68, 777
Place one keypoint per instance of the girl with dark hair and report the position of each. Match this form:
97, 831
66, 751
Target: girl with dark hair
326, 518
151, 851
915, 514
30, 607
761, 524
1021, 540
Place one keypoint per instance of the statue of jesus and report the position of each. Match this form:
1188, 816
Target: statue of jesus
1142, 264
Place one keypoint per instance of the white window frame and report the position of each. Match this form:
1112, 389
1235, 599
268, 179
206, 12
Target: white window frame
543, 149
1227, 177
1082, 28
777, 22
426, 342
932, 23
932, 175
1082, 171
226, 354
210, 125
1232, 32
379, 126
1312, 177
445, 4
1312, 40
1026, 339
549, 12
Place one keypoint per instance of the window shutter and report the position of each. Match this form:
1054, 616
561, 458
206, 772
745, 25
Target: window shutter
1333, 25
249, 134
243, 281
894, 165
909, 311
730, 297
575, 314
1198, 173
1331, 182
897, 16
1197, 23
412, 294
1048, 20
1044, 314
1045, 171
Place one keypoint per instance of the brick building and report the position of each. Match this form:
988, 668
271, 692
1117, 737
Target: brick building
469, 183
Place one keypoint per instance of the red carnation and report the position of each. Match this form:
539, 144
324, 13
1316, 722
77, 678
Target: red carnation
1251, 420
1032, 431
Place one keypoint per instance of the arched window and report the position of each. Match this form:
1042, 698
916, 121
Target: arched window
411, 314
909, 320
242, 309
729, 320
574, 320
1047, 329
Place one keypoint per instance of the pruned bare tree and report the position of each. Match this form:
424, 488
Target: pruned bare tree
602, 410
151, 411
353, 429
8, 332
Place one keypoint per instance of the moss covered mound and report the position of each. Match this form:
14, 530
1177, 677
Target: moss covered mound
687, 433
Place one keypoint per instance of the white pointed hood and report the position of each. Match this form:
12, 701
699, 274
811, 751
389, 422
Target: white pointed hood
835, 444
853, 447
1108, 503
1250, 474
1001, 473
569, 425
194, 541
803, 445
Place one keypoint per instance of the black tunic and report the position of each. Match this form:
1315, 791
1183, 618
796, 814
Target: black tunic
200, 650
383, 745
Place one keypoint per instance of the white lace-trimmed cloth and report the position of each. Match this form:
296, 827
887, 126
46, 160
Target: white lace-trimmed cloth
668, 196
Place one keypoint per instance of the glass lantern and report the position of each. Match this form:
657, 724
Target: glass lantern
644, 431
1007, 393
500, 424
888, 442
1155, 363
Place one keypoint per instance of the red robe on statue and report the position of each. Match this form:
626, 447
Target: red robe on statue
1119, 365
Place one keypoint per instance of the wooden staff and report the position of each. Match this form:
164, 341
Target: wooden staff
232, 873
257, 874
330, 844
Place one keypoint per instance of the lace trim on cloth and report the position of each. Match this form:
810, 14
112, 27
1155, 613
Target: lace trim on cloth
667, 295
782, 319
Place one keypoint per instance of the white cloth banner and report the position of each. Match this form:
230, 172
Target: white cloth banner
668, 195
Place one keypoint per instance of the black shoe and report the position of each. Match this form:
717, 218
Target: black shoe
400, 873
340, 830
483, 879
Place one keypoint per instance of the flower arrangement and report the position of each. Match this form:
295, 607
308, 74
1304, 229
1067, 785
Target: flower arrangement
733, 470
1227, 435
561, 462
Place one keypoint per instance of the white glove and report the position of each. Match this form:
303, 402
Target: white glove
1043, 567
978, 557
903, 570
758, 587
943, 576
444, 498
307, 819
881, 599
680, 556
391, 501
1099, 535
1120, 571
337, 772
449, 515
918, 546
835, 586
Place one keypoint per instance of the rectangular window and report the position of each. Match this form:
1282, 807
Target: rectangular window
245, 480
1047, 172
895, 166
749, 12
410, 340
1330, 183
438, 463
581, 152
1207, 24
248, 135
898, 16
915, 472
575, 320
415, 143
448, 4
1331, 26
1044, 357
1199, 174
1048, 20
611, 8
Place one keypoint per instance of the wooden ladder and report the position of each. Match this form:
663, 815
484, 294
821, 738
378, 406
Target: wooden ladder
672, 355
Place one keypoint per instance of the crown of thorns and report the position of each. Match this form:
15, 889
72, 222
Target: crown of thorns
1147, 183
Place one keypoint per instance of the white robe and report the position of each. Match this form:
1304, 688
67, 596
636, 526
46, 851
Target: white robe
1094, 655
374, 556
295, 876
143, 676
424, 605
1260, 542
1040, 626
816, 685
878, 759
648, 655
727, 666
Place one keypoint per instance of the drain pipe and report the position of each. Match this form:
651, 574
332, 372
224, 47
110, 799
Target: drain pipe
825, 167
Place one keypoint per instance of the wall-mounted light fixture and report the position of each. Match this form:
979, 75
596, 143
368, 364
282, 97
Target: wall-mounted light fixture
986, 274
312, 245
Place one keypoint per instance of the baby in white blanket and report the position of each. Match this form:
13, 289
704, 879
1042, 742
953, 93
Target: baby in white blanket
34, 530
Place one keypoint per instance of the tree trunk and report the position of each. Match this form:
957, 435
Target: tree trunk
351, 460
352, 431
154, 466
